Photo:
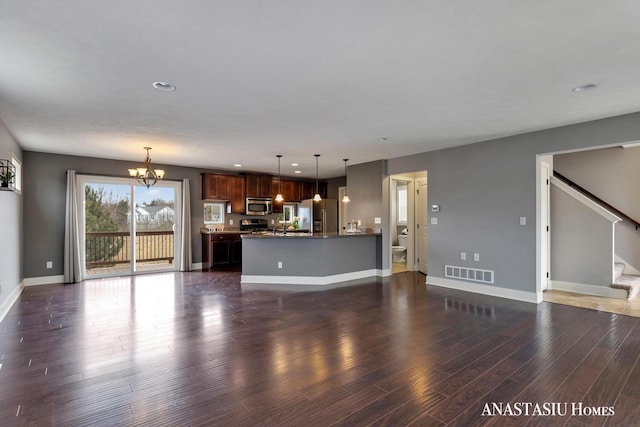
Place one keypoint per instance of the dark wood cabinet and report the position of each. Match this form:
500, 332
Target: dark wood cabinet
230, 188
290, 192
307, 190
215, 186
258, 186
221, 250
236, 194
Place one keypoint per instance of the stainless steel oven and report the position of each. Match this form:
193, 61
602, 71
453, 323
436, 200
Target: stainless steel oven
258, 206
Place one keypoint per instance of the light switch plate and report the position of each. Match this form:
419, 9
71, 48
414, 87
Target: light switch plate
377, 220
523, 220
434, 220
435, 208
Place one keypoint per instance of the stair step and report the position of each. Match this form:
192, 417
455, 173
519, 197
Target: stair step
628, 282
618, 267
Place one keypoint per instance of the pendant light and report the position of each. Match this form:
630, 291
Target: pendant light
317, 197
279, 197
146, 175
345, 198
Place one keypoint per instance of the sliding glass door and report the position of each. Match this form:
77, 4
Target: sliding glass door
128, 228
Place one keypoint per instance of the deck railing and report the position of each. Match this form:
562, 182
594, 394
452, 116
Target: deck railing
110, 248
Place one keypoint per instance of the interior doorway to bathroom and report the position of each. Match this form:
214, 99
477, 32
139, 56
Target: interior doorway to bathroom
408, 222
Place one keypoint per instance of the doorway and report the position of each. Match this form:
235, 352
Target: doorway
127, 228
408, 222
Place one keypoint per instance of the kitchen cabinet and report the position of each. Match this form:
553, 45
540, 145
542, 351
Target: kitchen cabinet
308, 189
290, 192
215, 186
258, 186
221, 250
230, 188
236, 194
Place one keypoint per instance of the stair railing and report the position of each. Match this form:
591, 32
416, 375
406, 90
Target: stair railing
596, 199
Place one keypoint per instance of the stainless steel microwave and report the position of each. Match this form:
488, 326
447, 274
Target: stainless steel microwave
258, 206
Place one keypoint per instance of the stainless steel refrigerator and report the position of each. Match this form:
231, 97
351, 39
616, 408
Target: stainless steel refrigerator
319, 217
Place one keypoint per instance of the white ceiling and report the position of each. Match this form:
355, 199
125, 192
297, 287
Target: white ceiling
257, 78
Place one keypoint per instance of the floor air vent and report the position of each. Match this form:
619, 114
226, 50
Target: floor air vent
466, 273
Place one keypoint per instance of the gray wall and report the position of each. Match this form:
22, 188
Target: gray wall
613, 175
366, 185
11, 225
484, 188
308, 256
581, 242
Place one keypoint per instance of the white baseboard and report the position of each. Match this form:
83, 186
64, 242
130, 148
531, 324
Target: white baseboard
479, 288
581, 288
196, 266
384, 273
43, 280
310, 280
11, 299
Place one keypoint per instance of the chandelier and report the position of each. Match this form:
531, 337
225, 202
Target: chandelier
147, 176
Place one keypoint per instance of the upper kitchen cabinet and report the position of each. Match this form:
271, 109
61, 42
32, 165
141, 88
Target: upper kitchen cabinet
258, 186
215, 186
229, 188
236, 194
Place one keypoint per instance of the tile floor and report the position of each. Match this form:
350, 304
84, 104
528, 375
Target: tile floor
609, 305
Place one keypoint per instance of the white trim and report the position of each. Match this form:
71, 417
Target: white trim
479, 288
585, 200
10, 300
581, 288
311, 280
384, 272
43, 280
196, 266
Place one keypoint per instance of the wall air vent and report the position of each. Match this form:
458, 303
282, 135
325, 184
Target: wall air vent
467, 273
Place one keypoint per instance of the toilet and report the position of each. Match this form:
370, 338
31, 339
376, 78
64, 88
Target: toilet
399, 252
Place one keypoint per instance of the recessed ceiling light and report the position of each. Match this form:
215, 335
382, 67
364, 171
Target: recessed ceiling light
385, 139
237, 165
294, 164
585, 87
297, 171
167, 87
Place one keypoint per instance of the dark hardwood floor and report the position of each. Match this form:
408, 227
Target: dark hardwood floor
199, 349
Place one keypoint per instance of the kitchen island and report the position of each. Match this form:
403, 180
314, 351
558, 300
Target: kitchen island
310, 258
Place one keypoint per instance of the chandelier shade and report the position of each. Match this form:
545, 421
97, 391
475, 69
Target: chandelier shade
145, 175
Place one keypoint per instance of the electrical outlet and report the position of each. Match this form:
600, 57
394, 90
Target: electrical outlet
230, 222
359, 223
476, 257
434, 220
377, 220
273, 221
463, 256
523, 220
279, 264
49, 264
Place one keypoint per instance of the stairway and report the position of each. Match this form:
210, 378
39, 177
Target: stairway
627, 282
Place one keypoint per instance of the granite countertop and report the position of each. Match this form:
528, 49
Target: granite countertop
298, 235
205, 230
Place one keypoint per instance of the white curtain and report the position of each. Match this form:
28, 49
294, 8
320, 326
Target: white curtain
72, 270
185, 231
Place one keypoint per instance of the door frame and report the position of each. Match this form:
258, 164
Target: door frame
83, 179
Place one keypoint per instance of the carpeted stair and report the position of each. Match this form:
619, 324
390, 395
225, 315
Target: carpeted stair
628, 282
